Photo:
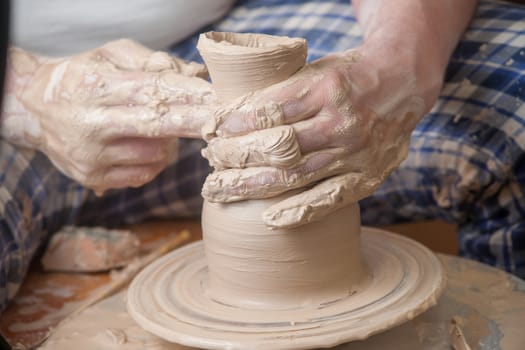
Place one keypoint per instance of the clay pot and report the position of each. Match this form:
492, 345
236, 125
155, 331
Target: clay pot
249, 265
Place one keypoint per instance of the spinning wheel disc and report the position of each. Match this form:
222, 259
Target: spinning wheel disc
169, 298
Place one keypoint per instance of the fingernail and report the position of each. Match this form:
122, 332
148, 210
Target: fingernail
232, 125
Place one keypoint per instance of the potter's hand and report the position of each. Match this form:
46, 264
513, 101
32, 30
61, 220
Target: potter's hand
338, 127
110, 117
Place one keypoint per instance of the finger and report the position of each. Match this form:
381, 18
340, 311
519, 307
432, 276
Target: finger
127, 54
332, 129
137, 151
163, 121
276, 147
160, 61
263, 182
298, 98
316, 203
148, 88
282, 146
189, 69
124, 176
283, 103
182, 121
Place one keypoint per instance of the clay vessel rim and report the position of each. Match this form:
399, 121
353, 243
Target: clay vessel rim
244, 44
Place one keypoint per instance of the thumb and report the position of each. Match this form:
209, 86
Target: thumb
126, 54
319, 201
130, 55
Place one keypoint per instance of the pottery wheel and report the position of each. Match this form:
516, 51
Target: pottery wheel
169, 299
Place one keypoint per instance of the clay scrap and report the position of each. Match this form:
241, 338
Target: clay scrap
89, 249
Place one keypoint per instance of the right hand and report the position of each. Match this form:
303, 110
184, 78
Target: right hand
337, 128
110, 117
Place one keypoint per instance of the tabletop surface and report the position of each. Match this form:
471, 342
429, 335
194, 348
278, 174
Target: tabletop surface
46, 298
488, 305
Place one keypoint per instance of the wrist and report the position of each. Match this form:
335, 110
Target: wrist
20, 69
409, 62
416, 35
19, 125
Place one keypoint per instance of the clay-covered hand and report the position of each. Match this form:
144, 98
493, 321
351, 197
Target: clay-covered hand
337, 127
109, 117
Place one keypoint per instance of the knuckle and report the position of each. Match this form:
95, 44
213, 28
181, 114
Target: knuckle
333, 87
160, 61
280, 147
268, 116
290, 178
96, 55
333, 77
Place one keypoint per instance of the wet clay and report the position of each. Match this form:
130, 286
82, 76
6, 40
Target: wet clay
89, 249
249, 265
241, 63
275, 147
247, 286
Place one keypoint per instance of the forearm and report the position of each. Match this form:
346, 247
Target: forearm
416, 23
17, 124
421, 31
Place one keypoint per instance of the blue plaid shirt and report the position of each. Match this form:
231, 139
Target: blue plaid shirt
466, 162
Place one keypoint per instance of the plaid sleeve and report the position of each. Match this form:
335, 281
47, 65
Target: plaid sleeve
23, 213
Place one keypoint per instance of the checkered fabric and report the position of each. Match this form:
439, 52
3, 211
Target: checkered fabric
466, 162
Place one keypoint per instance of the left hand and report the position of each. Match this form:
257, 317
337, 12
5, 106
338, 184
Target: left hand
109, 117
338, 127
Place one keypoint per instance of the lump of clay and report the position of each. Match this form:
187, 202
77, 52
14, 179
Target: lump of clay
89, 249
